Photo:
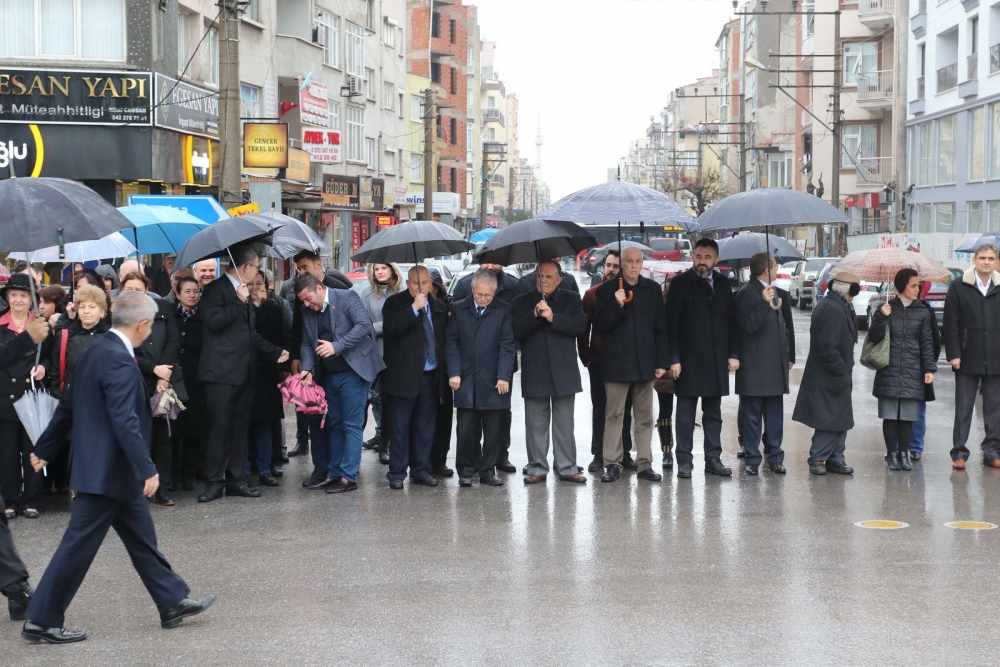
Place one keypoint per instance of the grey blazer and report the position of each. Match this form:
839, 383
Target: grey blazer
353, 338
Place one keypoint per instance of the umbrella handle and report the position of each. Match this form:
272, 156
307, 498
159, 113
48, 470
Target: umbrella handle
631, 295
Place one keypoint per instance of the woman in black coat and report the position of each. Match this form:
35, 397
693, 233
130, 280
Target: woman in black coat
191, 427
275, 324
157, 358
900, 386
19, 483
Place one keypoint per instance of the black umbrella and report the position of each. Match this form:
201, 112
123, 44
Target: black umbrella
214, 240
411, 242
764, 208
970, 245
748, 244
623, 202
535, 240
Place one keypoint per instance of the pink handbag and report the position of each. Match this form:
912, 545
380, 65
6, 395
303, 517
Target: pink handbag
309, 400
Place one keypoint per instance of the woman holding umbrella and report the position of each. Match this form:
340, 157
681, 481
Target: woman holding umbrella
899, 386
19, 483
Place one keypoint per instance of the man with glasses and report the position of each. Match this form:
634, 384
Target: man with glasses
228, 367
480, 353
590, 345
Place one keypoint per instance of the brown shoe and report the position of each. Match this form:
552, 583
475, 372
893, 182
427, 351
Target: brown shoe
325, 484
443, 471
958, 464
533, 479
576, 478
342, 486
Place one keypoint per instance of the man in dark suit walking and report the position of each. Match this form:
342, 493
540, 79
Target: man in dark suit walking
413, 332
228, 368
481, 352
703, 351
112, 474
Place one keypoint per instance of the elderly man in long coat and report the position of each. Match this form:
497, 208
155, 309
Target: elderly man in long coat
824, 401
767, 348
546, 324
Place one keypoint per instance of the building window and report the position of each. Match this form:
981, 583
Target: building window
859, 141
436, 72
994, 139
389, 162
436, 25
750, 34
355, 49
454, 131
973, 41
470, 58
334, 115
211, 62
416, 109
370, 83
389, 29
186, 25
922, 154
977, 144
388, 95
416, 168
328, 26
779, 171
453, 186
452, 32
468, 136
355, 134
402, 105
975, 219
946, 149
860, 58
454, 81
371, 154
993, 209
252, 11
751, 92
92, 29
249, 101
370, 14
922, 218
944, 217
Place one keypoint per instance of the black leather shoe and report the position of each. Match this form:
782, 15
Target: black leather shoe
278, 471
313, 479
506, 466
267, 480
892, 461
777, 468
464, 482
425, 480
742, 453
343, 486
751, 470
322, 484
397, 484
611, 474
915, 456
492, 480
188, 484
715, 467
839, 468
185, 608
629, 463
163, 497
373, 443
243, 491
300, 449
817, 469
211, 492
18, 596
904, 461
596, 465
383, 458
36, 634
684, 470
649, 475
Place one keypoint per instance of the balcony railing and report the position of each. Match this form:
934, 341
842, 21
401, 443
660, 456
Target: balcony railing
875, 85
870, 7
973, 67
493, 114
920, 88
873, 171
995, 59
947, 78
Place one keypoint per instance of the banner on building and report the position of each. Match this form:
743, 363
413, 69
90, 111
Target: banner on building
323, 145
299, 164
340, 190
265, 145
314, 106
65, 151
75, 97
185, 108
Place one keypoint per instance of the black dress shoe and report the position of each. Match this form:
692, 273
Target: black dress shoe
611, 474
277, 471
185, 608
243, 491
839, 468
443, 471
904, 461
300, 449
506, 466
212, 492
373, 443
492, 480
714, 467
742, 453
267, 480
777, 468
397, 484
649, 475
322, 484
684, 470
915, 456
383, 458
425, 480
596, 465
464, 482
629, 463
751, 470
36, 634
18, 596
342, 486
314, 478
817, 469
162, 497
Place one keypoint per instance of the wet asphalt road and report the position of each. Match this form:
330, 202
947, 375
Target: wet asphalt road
765, 570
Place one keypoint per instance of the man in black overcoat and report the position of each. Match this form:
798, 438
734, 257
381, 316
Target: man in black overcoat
704, 349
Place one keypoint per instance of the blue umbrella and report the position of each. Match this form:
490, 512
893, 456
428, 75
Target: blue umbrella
483, 235
160, 229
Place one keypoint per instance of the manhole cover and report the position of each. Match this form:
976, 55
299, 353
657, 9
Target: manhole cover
882, 524
971, 525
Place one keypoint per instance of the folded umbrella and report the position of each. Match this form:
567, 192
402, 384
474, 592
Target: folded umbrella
881, 265
411, 242
535, 240
113, 246
166, 405
35, 410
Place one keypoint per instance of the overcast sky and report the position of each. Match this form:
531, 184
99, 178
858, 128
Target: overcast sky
594, 71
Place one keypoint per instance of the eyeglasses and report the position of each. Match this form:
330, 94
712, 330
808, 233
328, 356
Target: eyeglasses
483, 295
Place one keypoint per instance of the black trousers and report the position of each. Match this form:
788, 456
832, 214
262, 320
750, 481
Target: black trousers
506, 420
410, 423
442, 430
89, 522
711, 422
599, 401
757, 415
188, 456
19, 483
162, 451
471, 458
301, 429
229, 410
12, 569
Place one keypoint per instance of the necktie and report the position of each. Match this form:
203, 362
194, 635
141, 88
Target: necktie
430, 350
479, 312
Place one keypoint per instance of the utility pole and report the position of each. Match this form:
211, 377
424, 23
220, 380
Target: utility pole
430, 174
231, 181
838, 72
490, 148
510, 197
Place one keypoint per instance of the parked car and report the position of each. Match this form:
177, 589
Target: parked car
862, 301
590, 264
686, 247
455, 263
446, 274
804, 279
823, 280
668, 249
783, 279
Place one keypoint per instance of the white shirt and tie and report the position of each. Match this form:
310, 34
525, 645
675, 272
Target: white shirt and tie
983, 287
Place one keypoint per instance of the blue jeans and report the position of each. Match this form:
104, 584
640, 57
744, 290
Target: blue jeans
259, 446
919, 430
346, 400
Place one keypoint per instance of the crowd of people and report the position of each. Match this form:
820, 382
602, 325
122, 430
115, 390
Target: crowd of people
428, 363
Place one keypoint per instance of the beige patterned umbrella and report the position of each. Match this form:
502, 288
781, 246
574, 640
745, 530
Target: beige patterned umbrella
881, 265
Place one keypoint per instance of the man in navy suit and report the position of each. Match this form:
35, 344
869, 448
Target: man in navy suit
112, 474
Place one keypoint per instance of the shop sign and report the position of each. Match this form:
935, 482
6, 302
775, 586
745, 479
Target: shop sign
265, 145
252, 207
71, 151
271, 98
340, 190
323, 145
365, 193
314, 106
75, 97
185, 108
298, 165
378, 194
384, 220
